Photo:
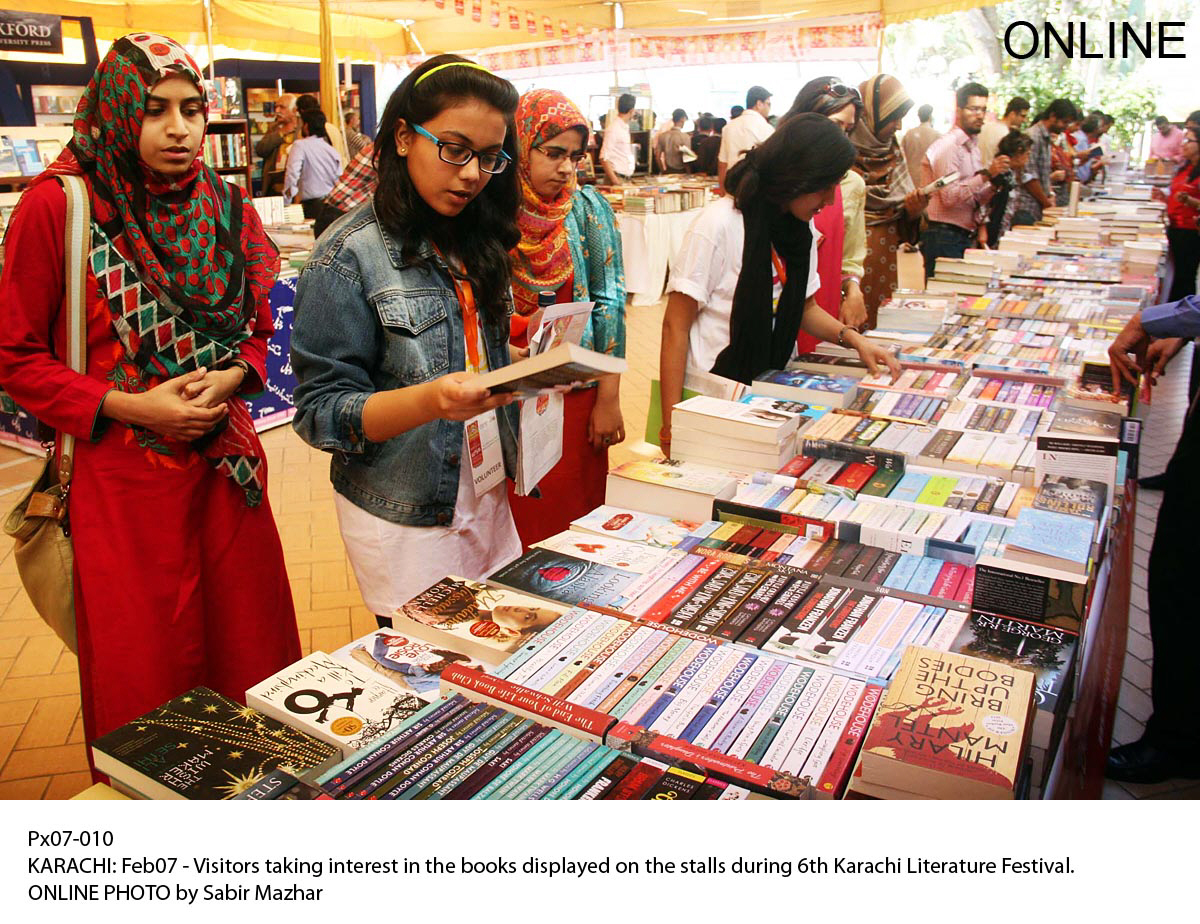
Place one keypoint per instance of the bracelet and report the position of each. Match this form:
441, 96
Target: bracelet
240, 364
841, 338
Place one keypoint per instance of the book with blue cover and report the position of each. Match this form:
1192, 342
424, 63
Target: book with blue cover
807, 387
1044, 537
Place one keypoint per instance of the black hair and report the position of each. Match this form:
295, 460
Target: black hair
625, 103
1192, 117
704, 123
679, 115
967, 90
314, 123
815, 96
1091, 125
1016, 104
806, 154
925, 113
735, 111
756, 95
306, 102
1014, 143
1061, 109
1161, 120
719, 125
486, 230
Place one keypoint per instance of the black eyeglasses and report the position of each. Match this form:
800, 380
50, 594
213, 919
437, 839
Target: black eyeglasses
451, 152
556, 154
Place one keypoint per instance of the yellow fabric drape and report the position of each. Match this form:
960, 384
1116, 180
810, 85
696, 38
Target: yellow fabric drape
331, 96
293, 26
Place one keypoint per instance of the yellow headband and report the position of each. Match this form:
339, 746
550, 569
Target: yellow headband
442, 67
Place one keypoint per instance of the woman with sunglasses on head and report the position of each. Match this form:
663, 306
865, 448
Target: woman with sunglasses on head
569, 246
744, 282
179, 571
842, 226
894, 205
404, 301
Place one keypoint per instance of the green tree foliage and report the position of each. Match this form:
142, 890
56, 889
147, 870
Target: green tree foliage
975, 40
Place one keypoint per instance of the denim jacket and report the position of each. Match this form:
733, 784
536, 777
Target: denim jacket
364, 322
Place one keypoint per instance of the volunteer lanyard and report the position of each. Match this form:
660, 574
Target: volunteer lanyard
465, 293
780, 269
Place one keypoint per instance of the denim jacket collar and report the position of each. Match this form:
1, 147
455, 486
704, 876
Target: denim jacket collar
395, 251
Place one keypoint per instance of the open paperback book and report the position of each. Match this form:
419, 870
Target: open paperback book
567, 364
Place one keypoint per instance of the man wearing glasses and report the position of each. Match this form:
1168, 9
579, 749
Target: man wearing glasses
1034, 192
956, 210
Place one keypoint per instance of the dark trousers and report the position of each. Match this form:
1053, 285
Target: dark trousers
1174, 607
943, 240
326, 215
312, 206
1184, 247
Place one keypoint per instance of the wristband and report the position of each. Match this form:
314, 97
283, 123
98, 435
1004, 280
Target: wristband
240, 364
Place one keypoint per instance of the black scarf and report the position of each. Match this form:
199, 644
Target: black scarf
760, 339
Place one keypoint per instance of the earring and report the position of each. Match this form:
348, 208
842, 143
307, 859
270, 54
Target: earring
404, 152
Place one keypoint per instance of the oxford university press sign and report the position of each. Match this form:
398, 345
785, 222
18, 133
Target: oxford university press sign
30, 32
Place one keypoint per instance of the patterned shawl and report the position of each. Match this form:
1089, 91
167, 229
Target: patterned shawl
882, 163
183, 261
542, 258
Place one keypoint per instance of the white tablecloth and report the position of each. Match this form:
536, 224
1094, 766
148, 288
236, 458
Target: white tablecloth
648, 244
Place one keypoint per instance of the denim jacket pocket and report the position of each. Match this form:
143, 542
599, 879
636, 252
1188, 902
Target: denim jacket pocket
416, 332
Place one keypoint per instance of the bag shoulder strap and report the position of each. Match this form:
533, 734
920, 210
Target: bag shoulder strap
77, 236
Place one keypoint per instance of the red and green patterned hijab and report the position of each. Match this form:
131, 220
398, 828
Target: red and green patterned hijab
188, 237
183, 261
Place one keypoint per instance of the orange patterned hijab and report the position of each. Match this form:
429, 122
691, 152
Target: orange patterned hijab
542, 258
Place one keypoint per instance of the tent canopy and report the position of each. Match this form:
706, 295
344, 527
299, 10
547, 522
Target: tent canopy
373, 29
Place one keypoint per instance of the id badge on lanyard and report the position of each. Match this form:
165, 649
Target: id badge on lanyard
480, 434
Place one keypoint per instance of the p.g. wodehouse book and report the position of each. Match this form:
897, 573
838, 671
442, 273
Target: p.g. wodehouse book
202, 745
564, 365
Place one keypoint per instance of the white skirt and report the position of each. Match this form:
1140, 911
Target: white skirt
394, 563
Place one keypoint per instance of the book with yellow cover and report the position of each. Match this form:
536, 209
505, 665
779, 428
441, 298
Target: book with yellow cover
951, 727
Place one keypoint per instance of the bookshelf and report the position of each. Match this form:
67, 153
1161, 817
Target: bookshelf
227, 150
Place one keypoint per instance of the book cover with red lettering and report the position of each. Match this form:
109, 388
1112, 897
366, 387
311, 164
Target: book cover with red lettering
951, 727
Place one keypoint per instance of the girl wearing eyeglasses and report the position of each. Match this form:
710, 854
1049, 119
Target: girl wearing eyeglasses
569, 246
404, 301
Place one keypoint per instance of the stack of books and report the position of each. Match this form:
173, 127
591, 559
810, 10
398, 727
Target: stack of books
732, 435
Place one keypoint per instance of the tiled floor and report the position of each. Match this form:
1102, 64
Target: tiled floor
41, 736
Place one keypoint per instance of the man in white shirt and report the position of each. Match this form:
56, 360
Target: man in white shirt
616, 153
743, 133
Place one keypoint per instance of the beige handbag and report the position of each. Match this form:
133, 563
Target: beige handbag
38, 523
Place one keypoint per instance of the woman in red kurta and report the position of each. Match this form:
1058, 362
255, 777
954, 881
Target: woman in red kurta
179, 573
569, 246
